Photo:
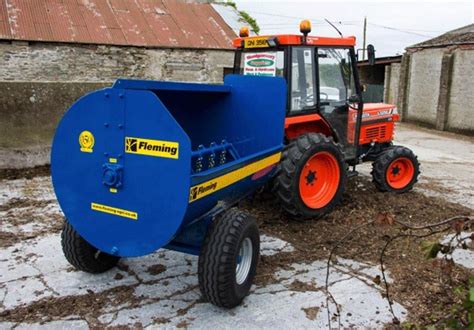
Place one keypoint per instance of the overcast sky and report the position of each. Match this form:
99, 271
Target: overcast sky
392, 26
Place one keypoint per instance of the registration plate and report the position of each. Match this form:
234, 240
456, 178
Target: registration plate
256, 43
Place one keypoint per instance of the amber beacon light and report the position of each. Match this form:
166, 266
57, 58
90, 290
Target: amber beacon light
305, 27
244, 32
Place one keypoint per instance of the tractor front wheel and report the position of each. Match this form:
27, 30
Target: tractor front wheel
311, 176
396, 169
228, 259
82, 255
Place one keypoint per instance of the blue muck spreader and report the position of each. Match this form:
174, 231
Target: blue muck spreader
145, 165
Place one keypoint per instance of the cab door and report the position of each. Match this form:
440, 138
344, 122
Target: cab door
302, 83
336, 85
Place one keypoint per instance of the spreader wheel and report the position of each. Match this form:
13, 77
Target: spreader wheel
82, 255
311, 176
396, 169
228, 259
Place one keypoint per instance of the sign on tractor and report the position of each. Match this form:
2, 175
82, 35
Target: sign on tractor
260, 64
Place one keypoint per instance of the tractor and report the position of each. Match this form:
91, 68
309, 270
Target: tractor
328, 128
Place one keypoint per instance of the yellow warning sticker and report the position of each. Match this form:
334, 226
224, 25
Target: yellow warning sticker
211, 186
86, 141
114, 211
157, 148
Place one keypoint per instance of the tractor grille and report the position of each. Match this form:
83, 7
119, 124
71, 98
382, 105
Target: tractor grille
378, 132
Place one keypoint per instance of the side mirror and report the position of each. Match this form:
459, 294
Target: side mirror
371, 54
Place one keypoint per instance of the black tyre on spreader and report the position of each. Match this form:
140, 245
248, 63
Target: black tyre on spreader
82, 255
228, 259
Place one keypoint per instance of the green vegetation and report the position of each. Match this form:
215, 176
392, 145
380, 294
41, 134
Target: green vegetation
460, 314
244, 16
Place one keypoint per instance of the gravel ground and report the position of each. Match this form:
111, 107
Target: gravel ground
39, 288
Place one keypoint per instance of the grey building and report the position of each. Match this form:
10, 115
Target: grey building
435, 86
52, 52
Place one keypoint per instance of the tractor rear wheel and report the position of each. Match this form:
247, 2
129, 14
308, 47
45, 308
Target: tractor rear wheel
396, 169
82, 255
311, 176
228, 259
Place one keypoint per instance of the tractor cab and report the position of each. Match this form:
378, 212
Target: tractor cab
324, 93
327, 125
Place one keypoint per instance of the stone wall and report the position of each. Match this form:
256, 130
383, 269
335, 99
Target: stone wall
435, 88
20, 61
39, 81
29, 113
425, 73
461, 95
392, 80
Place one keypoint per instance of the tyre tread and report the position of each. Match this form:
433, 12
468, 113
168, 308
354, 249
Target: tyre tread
381, 163
285, 181
80, 254
217, 257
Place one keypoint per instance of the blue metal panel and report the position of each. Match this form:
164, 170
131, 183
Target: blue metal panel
155, 188
132, 203
170, 86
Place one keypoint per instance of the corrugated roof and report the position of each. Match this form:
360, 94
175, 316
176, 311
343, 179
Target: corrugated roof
461, 36
152, 23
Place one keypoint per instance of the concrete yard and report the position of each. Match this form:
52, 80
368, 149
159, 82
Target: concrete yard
39, 288
447, 162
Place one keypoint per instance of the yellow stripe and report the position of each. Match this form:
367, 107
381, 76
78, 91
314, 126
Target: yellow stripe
211, 186
114, 211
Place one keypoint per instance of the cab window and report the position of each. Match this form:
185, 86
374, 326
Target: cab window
336, 83
303, 89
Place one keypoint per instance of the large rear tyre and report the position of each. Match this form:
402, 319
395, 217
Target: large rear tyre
228, 259
396, 169
82, 255
311, 176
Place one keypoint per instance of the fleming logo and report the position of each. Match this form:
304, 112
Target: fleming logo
131, 145
156, 148
202, 190
86, 141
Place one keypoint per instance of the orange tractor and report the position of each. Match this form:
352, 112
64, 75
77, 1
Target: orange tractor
328, 128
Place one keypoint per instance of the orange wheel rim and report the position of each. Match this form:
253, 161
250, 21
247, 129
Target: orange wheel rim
400, 173
319, 180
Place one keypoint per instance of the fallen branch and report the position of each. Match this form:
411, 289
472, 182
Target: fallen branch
389, 219
328, 266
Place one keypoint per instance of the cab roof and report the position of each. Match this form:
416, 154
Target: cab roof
293, 40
